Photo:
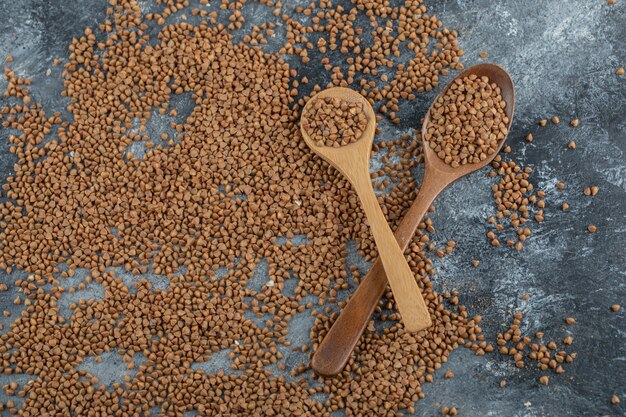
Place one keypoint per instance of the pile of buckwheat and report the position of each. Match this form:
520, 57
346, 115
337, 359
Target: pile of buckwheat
468, 122
334, 122
222, 189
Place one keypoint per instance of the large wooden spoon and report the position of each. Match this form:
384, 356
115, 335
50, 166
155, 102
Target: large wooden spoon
353, 161
335, 350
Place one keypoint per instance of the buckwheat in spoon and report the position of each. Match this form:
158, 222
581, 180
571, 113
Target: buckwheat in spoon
338, 124
463, 131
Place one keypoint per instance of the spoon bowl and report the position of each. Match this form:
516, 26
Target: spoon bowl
334, 351
496, 74
352, 161
356, 152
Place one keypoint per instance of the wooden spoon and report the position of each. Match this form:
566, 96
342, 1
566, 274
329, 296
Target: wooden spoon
353, 162
333, 353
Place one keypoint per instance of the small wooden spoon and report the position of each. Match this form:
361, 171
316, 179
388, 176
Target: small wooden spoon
333, 353
353, 162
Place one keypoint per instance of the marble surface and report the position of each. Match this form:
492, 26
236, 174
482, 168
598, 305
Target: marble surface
562, 56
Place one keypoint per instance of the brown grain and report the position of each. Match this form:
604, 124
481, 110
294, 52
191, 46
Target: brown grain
468, 122
357, 51
216, 192
519, 347
334, 122
515, 197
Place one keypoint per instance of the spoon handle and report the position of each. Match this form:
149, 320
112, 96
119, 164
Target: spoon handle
333, 353
409, 301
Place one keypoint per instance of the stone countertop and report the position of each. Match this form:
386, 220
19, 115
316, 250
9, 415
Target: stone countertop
562, 57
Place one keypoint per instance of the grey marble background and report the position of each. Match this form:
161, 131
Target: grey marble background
562, 56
